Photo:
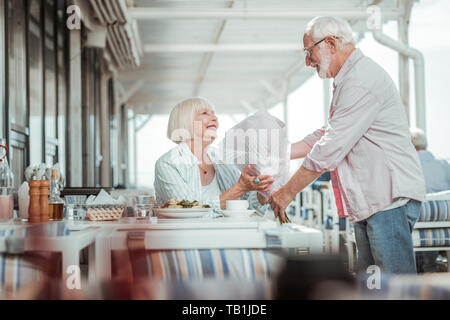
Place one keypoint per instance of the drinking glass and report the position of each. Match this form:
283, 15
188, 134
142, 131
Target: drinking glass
74, 204
6, 204
144, 206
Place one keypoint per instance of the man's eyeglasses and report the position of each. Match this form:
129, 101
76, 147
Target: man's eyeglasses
309, 49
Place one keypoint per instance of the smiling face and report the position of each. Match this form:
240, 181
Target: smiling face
206, 125
320, 56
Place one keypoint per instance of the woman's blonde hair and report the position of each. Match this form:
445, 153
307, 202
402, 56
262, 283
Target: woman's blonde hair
181, 120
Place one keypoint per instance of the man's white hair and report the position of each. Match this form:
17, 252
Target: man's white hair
418, 138
181, 120
321, 27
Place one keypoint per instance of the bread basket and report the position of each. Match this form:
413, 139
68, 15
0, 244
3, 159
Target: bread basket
104, 212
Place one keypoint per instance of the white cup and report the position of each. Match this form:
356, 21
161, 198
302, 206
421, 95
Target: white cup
237, 205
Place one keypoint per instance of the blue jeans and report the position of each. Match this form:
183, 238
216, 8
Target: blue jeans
384, 239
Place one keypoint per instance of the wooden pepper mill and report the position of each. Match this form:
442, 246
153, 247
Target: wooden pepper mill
43, 200
34, 210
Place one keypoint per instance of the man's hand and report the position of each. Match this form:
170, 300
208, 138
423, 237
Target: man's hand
279, 202
281, 199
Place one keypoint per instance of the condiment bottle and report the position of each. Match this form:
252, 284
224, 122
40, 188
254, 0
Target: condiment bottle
43, 200
34, 210
55, 203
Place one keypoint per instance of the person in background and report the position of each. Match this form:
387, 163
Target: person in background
366, 145
436, 172
437, 179
318, 184
191, 171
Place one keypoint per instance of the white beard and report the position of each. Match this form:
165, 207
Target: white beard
325, 64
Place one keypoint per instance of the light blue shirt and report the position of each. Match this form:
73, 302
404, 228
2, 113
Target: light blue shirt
436, 172
177, 176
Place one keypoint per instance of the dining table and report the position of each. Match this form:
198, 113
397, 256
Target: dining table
100, 238
162, 234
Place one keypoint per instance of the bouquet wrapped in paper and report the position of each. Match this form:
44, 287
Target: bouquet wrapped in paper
260, 141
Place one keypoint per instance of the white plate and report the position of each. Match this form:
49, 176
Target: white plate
182, 212
238, 214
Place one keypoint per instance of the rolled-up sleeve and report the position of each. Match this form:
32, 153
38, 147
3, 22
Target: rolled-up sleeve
312, 138
354, 113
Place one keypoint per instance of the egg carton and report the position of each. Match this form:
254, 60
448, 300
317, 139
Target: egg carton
105, 213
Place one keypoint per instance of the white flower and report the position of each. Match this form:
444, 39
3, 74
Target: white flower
39, 171
29, 172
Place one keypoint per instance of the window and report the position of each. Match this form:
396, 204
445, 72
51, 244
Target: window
17, 94
91, 117
61, 32
2, 71
51, 102
35, 81
17, 108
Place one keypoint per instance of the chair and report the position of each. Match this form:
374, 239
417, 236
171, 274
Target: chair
320, 212
432, 229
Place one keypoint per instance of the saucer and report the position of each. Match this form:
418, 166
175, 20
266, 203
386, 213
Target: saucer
238, 213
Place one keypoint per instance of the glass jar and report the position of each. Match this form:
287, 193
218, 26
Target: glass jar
6, 204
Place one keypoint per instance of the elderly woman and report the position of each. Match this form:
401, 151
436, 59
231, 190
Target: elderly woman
191, 170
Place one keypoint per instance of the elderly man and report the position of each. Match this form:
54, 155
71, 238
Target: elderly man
436, 172
366, 146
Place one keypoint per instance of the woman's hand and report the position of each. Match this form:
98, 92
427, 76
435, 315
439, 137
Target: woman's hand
245, 184
247, 181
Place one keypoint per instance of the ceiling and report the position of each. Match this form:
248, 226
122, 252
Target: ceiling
240, 55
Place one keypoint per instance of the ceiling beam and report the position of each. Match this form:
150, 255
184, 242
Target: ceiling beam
298, 13
208, 56
129, 76
277, 94
236, 47
146, 99
131, 91
297, 69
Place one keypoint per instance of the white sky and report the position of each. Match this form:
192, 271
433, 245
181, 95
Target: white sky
429, 32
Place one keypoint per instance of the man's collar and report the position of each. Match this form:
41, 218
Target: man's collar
351, 60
